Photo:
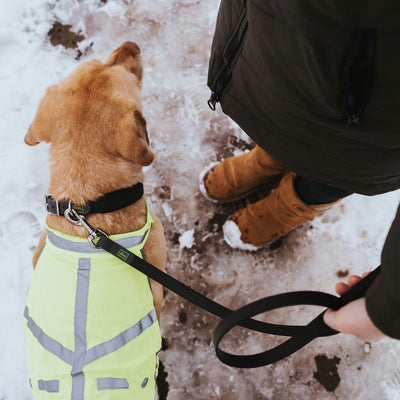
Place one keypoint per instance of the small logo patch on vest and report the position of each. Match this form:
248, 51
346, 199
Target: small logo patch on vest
123, 255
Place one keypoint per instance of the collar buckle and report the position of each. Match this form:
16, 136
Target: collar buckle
49, 208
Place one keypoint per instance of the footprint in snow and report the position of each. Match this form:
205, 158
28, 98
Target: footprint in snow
22, 229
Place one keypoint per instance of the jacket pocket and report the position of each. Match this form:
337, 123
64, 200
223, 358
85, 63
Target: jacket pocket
228, 38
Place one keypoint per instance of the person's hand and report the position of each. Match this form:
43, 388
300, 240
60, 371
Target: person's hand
353, 317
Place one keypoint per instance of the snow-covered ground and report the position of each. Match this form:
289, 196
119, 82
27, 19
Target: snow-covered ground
175, 38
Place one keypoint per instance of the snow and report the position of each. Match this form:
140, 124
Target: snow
203, 173
186, 240
232, 236
175, 38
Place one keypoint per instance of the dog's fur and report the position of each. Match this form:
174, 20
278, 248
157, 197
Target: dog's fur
93, 120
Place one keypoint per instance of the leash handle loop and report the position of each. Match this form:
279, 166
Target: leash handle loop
316, 328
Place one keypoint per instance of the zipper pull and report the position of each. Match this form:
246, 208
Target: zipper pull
353, 119
353, 113
213, 100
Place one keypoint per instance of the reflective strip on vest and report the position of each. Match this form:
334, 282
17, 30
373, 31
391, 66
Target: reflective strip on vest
86, 247
49, 386
112, 383
47, 342
83, 356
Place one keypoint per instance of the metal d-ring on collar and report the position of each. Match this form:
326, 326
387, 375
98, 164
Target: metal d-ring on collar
94, 234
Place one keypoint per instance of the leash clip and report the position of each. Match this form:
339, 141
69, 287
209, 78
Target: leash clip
94, 233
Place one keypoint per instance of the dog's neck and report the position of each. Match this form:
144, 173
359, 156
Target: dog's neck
90, 182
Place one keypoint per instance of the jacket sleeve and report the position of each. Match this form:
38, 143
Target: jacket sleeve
383, 297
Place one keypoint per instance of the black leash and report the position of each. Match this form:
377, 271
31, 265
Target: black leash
300, 334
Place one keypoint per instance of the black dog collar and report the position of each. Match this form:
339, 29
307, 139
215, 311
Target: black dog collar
109, 202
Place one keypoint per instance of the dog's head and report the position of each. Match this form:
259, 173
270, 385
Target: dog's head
97, 109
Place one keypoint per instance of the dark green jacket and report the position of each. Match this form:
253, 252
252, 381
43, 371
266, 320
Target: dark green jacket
317, 85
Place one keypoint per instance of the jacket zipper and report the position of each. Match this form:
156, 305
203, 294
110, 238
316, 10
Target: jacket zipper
358, 75
225, 75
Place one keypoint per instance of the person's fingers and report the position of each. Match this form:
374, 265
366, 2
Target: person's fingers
341, 288
353, 279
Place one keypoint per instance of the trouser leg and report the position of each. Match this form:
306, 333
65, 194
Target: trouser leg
311, 192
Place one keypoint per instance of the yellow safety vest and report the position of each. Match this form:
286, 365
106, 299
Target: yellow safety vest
91, 330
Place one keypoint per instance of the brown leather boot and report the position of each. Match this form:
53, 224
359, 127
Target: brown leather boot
234, 177
271, 218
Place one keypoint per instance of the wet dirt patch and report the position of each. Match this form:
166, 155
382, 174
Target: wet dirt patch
173, 237
240, 144
162, 383
62, 34
342, 274
327, 374
163, 192
183, 317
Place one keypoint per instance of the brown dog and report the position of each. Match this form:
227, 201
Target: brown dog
99, 144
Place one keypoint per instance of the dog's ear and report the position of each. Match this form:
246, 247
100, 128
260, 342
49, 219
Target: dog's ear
42, 126
127, 55
37, 132
133, 140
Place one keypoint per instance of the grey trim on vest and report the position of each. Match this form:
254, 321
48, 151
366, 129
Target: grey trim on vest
112, 383
81, 301
78, 386
122, 339
82, 247
47, 342
49, 386
145, 382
